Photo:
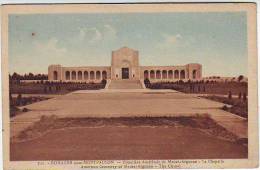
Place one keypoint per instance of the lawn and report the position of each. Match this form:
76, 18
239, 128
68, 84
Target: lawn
53, 87
236, 105
203, 87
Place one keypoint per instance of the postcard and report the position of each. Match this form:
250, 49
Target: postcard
129, 86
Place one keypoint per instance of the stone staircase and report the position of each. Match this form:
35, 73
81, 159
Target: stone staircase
125, 84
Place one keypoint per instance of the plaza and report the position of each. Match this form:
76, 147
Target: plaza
128, 103
123, 142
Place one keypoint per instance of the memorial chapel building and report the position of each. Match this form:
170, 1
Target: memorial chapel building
125, 66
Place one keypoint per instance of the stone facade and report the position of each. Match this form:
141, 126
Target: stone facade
125, 65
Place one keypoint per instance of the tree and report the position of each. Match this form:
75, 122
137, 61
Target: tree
10, 98
191, 87
229, 95
45, 89
244, 97
241, 77
50, 89
147, 82
104, 82
31, 76
57, 88
10, 79
239, 95
15, 76
181, 81
19, 100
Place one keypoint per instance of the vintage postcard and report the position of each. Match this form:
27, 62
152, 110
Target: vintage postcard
129, 86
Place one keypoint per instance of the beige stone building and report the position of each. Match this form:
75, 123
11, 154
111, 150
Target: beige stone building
125, 66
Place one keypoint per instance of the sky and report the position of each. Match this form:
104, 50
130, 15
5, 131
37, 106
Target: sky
217, 40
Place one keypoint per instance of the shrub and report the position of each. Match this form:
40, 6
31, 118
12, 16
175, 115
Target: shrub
181, 81
244, 97
229, 95
25, 109
241, 77
19, 100
239, 95
225, 108
104, 81
13, 111
45, 89
147, 82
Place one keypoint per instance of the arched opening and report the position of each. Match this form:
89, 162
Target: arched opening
85, 75
170, 74
67, 75
73, 75
98, 75
152, 75
176, 74
79, 75
146, 76
158, 74
104, 75
55, 75
182, 74
194, 73
92, 75
164, 74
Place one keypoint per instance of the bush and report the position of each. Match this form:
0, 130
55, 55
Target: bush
225, 108
147, 82
104, 81
19, 100
45, 89
239, 95
13, 111
244, 97
25, 109
229, 95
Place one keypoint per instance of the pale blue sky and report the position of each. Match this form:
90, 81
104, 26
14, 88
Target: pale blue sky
216, 40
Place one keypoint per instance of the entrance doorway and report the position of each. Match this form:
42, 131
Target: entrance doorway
125, 73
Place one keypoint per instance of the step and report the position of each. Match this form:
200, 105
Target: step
125, 84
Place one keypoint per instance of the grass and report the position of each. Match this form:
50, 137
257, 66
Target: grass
52, 88
23, 101
202, 122
203, 88
237, 106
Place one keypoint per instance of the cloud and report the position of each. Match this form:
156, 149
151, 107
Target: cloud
38, 56
110, 31
50, 47
169, 40
94, 34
